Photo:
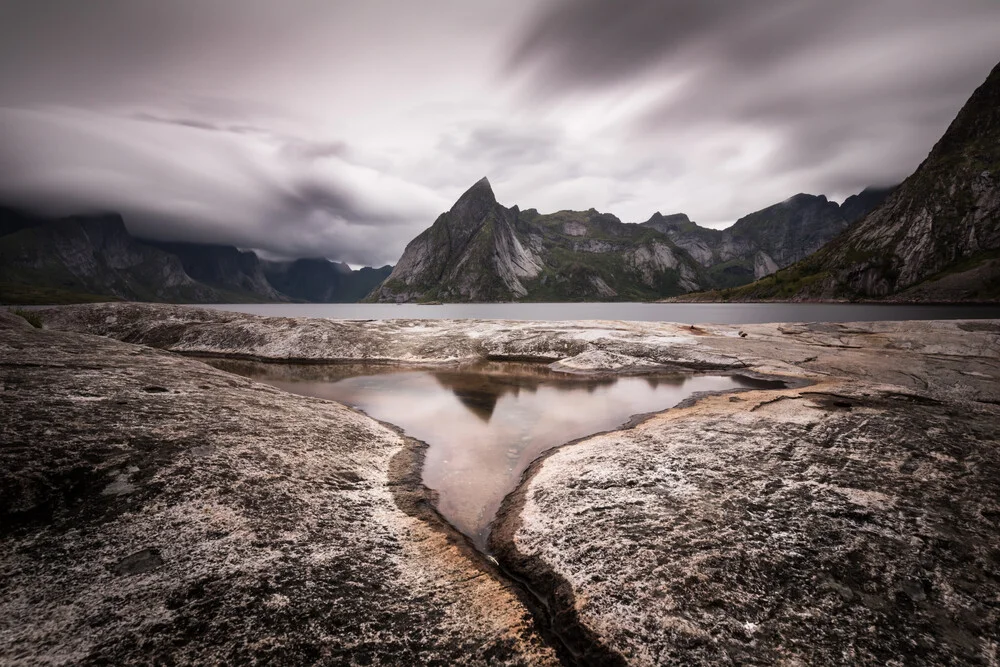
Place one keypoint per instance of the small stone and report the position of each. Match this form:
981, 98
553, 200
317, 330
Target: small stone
139, 562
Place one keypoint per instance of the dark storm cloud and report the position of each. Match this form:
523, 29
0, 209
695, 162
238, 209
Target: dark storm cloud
575, 43
197, 182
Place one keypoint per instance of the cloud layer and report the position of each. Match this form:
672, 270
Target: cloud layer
343, 129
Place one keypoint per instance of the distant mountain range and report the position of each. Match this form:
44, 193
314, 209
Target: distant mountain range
759, 244
481, 250
94, 257
936, 238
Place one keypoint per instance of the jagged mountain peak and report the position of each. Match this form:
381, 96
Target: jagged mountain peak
670, 218
475, 202
479, 195
802, 199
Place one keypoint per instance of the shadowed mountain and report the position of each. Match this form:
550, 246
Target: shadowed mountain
222, 266
319, 280
95, 255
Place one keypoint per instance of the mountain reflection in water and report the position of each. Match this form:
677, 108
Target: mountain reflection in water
484, 424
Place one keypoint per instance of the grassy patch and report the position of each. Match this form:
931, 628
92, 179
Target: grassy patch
32, 318
30, 295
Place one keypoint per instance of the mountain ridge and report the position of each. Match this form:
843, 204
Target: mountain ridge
480, 250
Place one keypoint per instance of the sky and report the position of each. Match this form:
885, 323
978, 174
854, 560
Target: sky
344, 128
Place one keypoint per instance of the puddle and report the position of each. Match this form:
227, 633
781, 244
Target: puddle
484, 424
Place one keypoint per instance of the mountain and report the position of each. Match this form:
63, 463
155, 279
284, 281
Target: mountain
482, 251
319, 280
94, 255
936, 238
93, 258
222, 266
760, 243
14, 220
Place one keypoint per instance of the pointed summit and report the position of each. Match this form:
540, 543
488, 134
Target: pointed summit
476, 201
481, 190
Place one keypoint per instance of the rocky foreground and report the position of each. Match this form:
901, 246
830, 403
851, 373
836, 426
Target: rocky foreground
153, 508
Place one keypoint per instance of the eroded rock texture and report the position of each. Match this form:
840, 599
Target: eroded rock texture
830, 525
153, 509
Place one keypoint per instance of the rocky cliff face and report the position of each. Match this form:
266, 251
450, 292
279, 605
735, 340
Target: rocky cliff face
96, 254
760, 243
470, 253
483, 251
936, 237
222, 266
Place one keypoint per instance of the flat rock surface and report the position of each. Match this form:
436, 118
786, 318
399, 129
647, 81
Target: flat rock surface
850, 521
155, 510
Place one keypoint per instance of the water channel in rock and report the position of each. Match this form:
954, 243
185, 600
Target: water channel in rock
484, 424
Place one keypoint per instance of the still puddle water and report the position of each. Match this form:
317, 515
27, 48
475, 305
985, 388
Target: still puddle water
485, 424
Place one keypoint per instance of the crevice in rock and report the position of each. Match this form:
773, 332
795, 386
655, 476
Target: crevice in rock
573, 646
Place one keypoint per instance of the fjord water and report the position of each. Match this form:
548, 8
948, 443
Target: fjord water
686, 313
485, 425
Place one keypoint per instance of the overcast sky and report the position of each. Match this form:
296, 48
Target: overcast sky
343, 128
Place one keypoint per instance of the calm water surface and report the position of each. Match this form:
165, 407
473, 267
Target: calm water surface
484, 425
688, 313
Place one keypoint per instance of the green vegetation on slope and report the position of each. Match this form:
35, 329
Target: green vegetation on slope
28, 295
31, 318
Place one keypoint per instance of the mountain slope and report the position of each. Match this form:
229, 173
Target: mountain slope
482, 251
470, 253
89, 258
937, 237
222, 266
96, 255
